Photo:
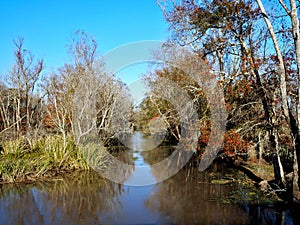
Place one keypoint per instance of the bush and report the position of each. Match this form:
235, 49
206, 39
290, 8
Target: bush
31, 159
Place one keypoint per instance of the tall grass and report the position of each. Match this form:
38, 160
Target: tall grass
28, 159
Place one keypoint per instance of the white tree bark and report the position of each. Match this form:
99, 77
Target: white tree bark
281, 66
296, 36
282, 74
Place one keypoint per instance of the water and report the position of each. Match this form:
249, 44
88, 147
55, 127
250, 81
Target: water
86, 198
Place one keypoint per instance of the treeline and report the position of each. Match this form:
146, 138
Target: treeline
73, 99
255, 55
45, 116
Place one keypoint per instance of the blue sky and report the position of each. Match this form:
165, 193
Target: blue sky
47, 27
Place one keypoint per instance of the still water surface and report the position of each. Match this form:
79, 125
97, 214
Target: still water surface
185, 198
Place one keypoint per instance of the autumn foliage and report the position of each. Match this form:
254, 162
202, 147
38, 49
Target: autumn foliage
234, 146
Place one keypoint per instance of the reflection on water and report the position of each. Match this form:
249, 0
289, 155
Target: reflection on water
142, 170
86, 198
80, 199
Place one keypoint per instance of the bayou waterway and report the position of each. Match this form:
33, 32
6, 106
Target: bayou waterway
188, 197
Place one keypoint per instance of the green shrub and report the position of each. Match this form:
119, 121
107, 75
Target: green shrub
31, 159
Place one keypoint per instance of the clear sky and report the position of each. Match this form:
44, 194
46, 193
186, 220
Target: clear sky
47, 26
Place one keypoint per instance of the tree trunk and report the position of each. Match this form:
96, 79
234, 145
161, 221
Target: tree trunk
260, 148
277, 165
4, 115
278, 171
281, 66
18, 114
296, 191
296, 36
295, 125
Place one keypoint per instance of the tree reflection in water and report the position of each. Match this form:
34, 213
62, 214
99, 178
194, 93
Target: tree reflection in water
195, 201
189, 198
80, 199
186, 198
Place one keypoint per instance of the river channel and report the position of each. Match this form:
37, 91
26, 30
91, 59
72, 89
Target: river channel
188, 197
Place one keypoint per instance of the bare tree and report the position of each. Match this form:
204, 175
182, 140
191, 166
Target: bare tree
19, 102
82, 50
68, 89
83, 98
58, 105
294, 126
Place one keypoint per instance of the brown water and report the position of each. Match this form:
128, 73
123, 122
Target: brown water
185, 198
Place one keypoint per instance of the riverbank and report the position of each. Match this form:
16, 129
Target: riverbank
241, 188
27, 160
41, 158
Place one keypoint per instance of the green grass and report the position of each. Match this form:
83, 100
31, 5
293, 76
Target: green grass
30, 159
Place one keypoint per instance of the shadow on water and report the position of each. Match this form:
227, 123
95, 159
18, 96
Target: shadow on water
85, 198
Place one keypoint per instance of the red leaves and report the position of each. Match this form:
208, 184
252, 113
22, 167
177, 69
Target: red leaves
153, 118
48, 121
233, 144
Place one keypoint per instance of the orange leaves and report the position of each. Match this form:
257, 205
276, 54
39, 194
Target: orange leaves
48, 121
233, 144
